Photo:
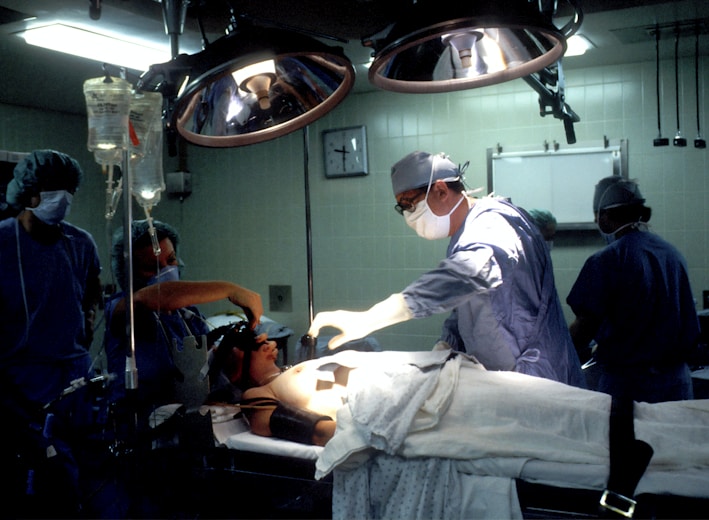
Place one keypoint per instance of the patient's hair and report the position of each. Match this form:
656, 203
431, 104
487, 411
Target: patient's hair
238, 336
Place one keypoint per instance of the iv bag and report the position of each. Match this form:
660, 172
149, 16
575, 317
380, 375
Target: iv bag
146, 147
107, 106
145, 115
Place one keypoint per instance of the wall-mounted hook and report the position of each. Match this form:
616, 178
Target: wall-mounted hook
699, 141
659, 140
678, 140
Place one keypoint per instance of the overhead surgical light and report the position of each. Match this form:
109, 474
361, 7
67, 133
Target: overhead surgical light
464, 44
228, 98
257, 79
443, 46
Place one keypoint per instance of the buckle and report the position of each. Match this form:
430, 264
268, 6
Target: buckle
618, 503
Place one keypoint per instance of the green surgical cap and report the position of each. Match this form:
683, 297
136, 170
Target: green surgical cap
139, 229
36, 170
542, 217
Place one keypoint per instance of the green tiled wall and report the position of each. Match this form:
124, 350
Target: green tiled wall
246, 217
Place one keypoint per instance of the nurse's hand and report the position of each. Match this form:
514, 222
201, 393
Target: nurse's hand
356, 325
250, 303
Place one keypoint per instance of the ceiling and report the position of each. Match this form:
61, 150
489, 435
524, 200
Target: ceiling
620, 30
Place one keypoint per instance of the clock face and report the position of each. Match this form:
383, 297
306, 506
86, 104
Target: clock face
345, 151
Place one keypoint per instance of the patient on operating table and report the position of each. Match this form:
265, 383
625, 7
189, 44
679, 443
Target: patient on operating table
294, 403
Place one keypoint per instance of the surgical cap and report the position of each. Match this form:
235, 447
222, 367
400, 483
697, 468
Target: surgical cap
542, 217
139, 229
616, 191
414, 171
36, 169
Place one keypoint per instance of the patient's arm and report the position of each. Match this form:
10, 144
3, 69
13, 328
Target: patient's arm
324, 431
269, 417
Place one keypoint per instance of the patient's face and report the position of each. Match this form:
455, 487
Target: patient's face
262, 364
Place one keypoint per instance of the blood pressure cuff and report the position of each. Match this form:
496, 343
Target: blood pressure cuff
295, 424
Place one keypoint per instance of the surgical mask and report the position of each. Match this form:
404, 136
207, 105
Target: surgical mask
426, 223
53, 206
169, 273
612, 237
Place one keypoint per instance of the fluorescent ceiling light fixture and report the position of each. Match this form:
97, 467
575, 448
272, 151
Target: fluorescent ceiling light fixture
577, 45
95, 46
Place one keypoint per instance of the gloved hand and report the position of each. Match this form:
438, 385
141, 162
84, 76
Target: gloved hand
356, 325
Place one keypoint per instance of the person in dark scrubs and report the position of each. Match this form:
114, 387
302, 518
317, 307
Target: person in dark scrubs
633, 300
49, 292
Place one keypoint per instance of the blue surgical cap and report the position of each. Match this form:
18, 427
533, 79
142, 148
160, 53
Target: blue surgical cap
417, 169
139, 229
37, 170
616, 191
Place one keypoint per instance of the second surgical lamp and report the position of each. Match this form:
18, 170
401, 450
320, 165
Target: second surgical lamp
444, 45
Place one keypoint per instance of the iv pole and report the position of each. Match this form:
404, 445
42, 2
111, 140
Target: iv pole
174, 13
307, 340
131, 372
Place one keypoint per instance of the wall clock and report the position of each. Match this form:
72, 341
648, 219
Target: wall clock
345, 151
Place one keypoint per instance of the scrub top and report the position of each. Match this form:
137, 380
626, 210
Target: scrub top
638, 286
42, 287
498, 281
157, 371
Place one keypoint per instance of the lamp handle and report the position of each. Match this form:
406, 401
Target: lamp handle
573, 25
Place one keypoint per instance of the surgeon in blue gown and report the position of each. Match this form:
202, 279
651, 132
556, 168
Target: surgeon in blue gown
49, 291
496, 281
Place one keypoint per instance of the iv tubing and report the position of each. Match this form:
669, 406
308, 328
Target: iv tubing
108, 170
152, 232
116, 196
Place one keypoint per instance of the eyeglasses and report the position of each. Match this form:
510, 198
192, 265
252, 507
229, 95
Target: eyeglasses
407, 204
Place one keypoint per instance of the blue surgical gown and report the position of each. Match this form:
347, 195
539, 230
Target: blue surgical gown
497, 280
44, 343
638, 288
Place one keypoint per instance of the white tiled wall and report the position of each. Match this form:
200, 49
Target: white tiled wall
246, 218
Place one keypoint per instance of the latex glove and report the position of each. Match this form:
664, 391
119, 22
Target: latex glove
356, 325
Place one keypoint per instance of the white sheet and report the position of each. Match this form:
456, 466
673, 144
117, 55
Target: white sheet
247, 441
502, 425
235, 434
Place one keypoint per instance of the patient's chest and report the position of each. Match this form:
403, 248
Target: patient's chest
306, 386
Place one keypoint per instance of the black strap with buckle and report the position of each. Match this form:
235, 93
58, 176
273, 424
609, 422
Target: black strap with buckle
629, 459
